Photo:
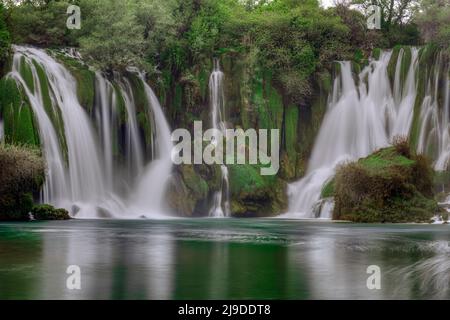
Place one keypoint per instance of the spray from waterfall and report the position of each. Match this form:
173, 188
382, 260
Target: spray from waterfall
221, 201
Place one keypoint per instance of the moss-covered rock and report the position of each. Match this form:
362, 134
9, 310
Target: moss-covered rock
191, 188
254, 195
48, 212
390, 185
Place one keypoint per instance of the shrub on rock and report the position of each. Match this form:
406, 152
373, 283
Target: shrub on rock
390, 185
21, 176
48, 212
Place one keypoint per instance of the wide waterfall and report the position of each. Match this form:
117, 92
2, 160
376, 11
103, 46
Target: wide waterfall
85, 173
363, 114
221, 203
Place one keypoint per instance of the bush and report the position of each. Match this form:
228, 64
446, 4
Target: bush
23, 169
401, 145
48, 212
21, 175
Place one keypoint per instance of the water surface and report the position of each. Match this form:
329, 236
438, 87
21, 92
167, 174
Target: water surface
223, 259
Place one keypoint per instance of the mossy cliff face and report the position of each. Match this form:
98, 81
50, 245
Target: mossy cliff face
19, 122
390, 185
192, 188
253, 101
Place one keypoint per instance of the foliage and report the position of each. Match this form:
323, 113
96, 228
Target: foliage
40, 23
21, 175
5, 41
48, 212
434, 22
111, 36
17, 114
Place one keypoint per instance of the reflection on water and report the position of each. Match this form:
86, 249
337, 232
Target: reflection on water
223, 259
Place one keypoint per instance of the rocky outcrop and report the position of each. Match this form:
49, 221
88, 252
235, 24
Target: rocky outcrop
390, 185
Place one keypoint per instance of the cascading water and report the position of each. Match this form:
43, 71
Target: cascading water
434, 136
82, 172
148, 199
133, 141
221, 202
105, 114
2, 131
361, 117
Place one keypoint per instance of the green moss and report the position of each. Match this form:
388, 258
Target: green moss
267, 101
427, 59
385, 158
85, 79
246, 179
328, 190
291, 123
255, 195
406, 64
194, 182
144, 123
203, 79
53, 112
376, 53
121, 109
18, 117
139, 95
393, 63
26, 73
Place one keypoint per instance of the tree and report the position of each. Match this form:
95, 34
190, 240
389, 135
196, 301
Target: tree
393, 12
111, 36
434, 22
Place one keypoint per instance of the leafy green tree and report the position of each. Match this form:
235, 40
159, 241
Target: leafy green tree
40, 23
111, 36
434, 22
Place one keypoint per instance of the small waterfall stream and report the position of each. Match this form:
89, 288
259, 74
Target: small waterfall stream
84, 174
221, 201
151, 188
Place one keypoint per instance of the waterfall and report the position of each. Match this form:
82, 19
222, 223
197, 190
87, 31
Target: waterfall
133, 141
2, 131
221, 201
84, 174
362, 116
159, 170
105, 118
435, 117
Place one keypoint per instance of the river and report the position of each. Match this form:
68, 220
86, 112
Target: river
223, 259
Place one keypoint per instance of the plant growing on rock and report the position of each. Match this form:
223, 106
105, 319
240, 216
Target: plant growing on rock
21, 175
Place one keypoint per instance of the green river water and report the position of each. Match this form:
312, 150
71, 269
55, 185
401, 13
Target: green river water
223, 259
